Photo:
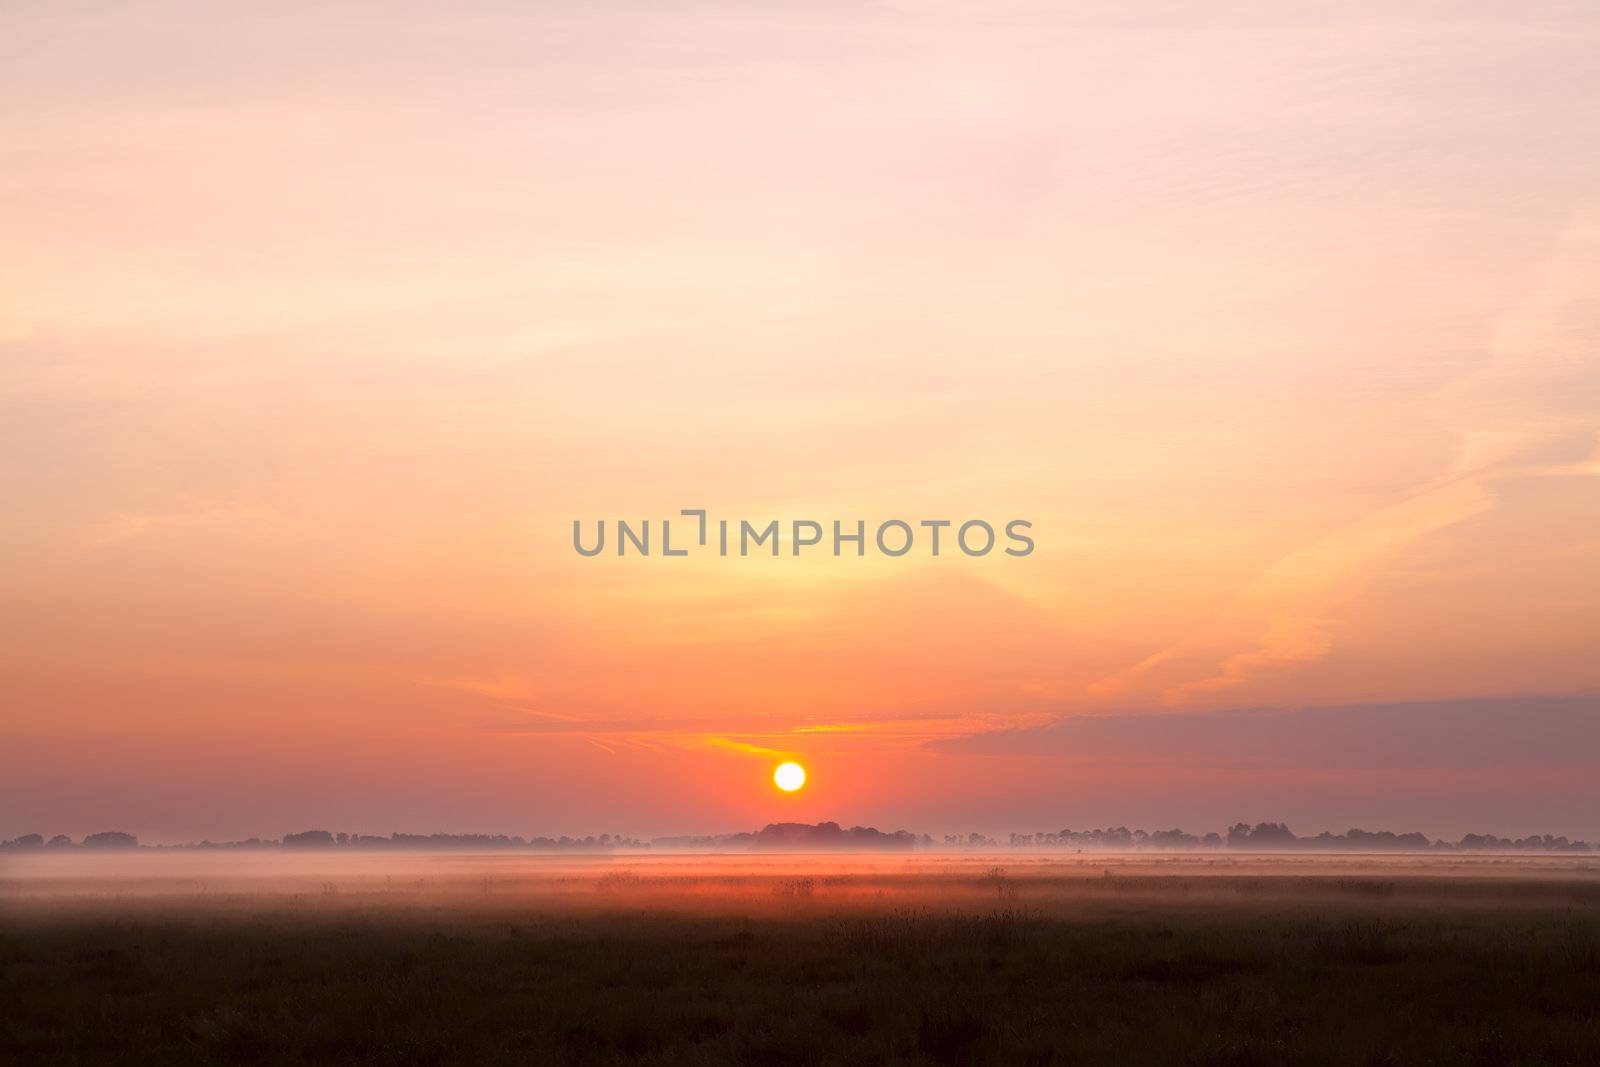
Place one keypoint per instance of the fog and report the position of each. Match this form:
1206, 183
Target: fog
770, 885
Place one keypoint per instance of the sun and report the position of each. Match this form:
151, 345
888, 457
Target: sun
789, 777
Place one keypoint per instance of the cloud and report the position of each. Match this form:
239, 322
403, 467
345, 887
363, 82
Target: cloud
1528, 410
1503, 732
1285, 617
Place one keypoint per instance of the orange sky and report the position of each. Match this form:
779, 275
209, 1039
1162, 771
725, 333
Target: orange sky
318, 327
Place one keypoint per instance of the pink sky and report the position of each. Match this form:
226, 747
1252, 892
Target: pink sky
320, 326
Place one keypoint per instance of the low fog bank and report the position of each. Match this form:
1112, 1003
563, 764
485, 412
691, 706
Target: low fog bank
438, 885
831, 837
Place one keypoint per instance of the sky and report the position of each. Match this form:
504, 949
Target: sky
320, 324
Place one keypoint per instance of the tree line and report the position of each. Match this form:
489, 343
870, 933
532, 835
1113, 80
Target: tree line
830, 836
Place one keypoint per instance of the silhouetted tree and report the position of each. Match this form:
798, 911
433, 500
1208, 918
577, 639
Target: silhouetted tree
111, 839
1262, 835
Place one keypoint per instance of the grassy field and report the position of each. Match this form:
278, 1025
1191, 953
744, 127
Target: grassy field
489, 960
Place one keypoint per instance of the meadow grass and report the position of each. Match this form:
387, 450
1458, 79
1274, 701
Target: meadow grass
627, 967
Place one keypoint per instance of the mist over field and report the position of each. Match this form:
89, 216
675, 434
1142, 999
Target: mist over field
733, 883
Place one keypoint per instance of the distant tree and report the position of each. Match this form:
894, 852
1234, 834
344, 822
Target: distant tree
59, 841
1484, 841
308, 839
1262, 835
28, 841
111, 839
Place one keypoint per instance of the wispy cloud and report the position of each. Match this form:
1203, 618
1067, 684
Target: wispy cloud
1530, 410
1523, 732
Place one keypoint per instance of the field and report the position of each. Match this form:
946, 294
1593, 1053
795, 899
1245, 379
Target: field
1011, 959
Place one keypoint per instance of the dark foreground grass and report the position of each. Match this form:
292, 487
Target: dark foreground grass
284, 983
